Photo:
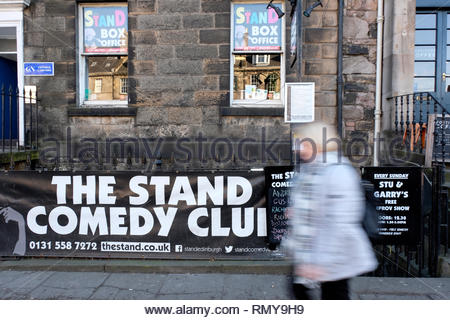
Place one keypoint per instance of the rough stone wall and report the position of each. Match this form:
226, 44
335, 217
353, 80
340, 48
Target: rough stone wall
179, 75
179, 65
49, 35
360, 40
320, 51
179, 79
180, 69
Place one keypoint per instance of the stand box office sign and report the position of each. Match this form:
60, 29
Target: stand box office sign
133, 215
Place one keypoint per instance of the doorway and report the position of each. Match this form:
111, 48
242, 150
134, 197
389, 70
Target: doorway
8, 83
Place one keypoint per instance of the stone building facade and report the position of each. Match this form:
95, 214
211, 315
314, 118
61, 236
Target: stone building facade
179, 85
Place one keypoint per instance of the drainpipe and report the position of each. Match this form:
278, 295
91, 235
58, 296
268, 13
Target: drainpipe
340, 80
377, 131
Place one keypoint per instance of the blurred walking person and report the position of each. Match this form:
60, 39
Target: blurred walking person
325, 240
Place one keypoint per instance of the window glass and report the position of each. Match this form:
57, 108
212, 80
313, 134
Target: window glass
424, 68
447, 84
425, 53
124, 86
103, 57
424, 84
426, 21
447, 68
98, 86
105, 74
256, 80
257, 55
425, 36
8, 41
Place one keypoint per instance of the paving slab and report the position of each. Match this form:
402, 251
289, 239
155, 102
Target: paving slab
131, 294
75, 280
51, 293
266, 287
151, 283
209, 286
104, 293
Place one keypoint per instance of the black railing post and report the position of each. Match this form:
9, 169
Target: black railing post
435, 221
407, 121
435, 130
10, 119
401, 115
443, 136
396, 114
3, 118
31, 120
443, 218
421, 122
24, 119
37, 119
434, 209
17, 93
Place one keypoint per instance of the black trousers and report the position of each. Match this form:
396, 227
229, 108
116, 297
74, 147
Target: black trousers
332, 290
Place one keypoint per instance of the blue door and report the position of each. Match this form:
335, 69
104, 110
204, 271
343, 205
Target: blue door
8, 105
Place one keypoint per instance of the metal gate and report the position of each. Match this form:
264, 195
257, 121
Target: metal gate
424, 127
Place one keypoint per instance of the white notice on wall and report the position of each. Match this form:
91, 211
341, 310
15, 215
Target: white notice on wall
299, 102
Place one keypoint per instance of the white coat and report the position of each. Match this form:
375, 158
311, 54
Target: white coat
325, 220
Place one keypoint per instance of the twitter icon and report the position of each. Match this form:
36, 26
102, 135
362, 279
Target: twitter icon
228, 249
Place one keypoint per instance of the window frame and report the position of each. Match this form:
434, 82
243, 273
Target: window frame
82, 71
122, 86
258, 103
435, 44
98, 84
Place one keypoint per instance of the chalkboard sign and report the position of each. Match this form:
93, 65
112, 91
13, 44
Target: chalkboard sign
399, 190
278, 184
440, 127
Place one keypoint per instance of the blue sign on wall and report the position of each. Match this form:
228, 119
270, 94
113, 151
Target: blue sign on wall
39, 68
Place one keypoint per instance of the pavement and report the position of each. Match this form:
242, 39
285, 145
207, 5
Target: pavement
185, 280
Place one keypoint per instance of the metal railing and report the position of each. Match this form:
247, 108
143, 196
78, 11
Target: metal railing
418, 114
424, 125
13, 117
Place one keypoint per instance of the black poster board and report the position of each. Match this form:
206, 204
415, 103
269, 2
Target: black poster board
130, 214
278, 183
399, 190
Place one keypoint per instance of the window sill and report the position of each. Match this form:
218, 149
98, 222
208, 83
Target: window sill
269, 111
105, 103
97, 111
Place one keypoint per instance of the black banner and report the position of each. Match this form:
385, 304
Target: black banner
133, 215
278, 183
399, 190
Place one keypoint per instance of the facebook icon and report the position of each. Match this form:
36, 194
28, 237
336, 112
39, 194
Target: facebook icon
178, 248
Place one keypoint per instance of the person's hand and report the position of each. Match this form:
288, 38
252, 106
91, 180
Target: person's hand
309, 271
12, 215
